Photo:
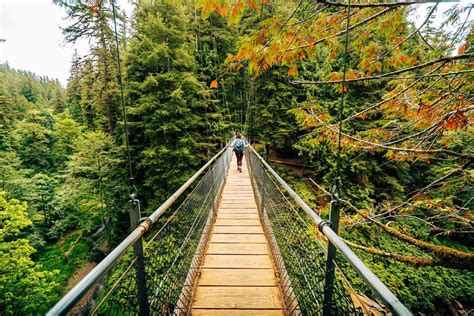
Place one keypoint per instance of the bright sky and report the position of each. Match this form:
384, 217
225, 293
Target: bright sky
34, 41
33, 38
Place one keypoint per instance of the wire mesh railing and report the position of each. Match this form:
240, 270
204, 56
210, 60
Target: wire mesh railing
158, 275
170, 256
300, 257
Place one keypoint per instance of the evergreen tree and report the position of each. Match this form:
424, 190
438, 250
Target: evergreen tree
168, 103
94, 74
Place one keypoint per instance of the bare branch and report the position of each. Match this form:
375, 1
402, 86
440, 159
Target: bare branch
409, 36
413, 150
370, 5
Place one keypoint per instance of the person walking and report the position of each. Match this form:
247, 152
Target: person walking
239, 145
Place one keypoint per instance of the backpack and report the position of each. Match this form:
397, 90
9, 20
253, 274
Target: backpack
239, 146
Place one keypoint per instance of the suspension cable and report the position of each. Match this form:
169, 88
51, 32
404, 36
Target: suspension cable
132, 186
337, 177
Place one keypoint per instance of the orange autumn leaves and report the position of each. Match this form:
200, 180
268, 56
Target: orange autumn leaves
233, 10
214, 84
377, 45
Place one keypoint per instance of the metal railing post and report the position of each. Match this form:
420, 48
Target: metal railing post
140, 263
330, 269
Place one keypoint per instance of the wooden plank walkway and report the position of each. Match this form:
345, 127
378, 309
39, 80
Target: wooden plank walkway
237, 276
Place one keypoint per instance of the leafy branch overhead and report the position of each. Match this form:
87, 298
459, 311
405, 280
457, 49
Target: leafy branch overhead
409, 93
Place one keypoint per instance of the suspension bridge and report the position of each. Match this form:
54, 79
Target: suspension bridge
227, 243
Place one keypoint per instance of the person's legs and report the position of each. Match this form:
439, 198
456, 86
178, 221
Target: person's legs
239, 160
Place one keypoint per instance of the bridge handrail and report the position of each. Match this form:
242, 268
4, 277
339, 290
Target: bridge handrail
67, 302
372, 280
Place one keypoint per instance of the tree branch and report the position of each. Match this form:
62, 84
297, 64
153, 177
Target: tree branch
376, 105
409, 36
370, 5
413, 150
412, 260
450, 257
389, 75
369, 19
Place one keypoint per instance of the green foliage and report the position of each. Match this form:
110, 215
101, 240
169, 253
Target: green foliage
170, 108
93, 90
69, 177
25, 287
65, 257
87, 198
420, 288
65, 132
62, 151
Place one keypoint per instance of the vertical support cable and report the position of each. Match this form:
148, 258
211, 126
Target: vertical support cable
140, 263
122, 100
132, 191
334, 211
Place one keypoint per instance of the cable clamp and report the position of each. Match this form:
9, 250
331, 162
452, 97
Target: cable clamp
335, 195
148, 220
132, 189
323, 224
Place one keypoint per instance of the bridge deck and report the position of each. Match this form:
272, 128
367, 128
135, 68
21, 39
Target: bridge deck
237, 276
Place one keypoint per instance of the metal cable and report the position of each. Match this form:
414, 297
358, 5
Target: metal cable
299, 257
343, 93
173, 254
122, 100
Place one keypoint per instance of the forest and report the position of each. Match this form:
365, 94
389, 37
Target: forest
359, 96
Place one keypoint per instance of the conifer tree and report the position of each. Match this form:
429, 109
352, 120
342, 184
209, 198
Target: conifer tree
98, 68
168, 103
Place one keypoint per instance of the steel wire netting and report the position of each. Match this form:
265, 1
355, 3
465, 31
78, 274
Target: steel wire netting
173, 254
299, 257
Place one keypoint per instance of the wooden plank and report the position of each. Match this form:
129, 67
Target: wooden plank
237, 277
237, 201
237, 216
237, 249
238, 238
237, 297
238, 186
237, 261
233, 197
239, 191
237, 312
238, 222
238, 210
237, 230
237, 274
238, 205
